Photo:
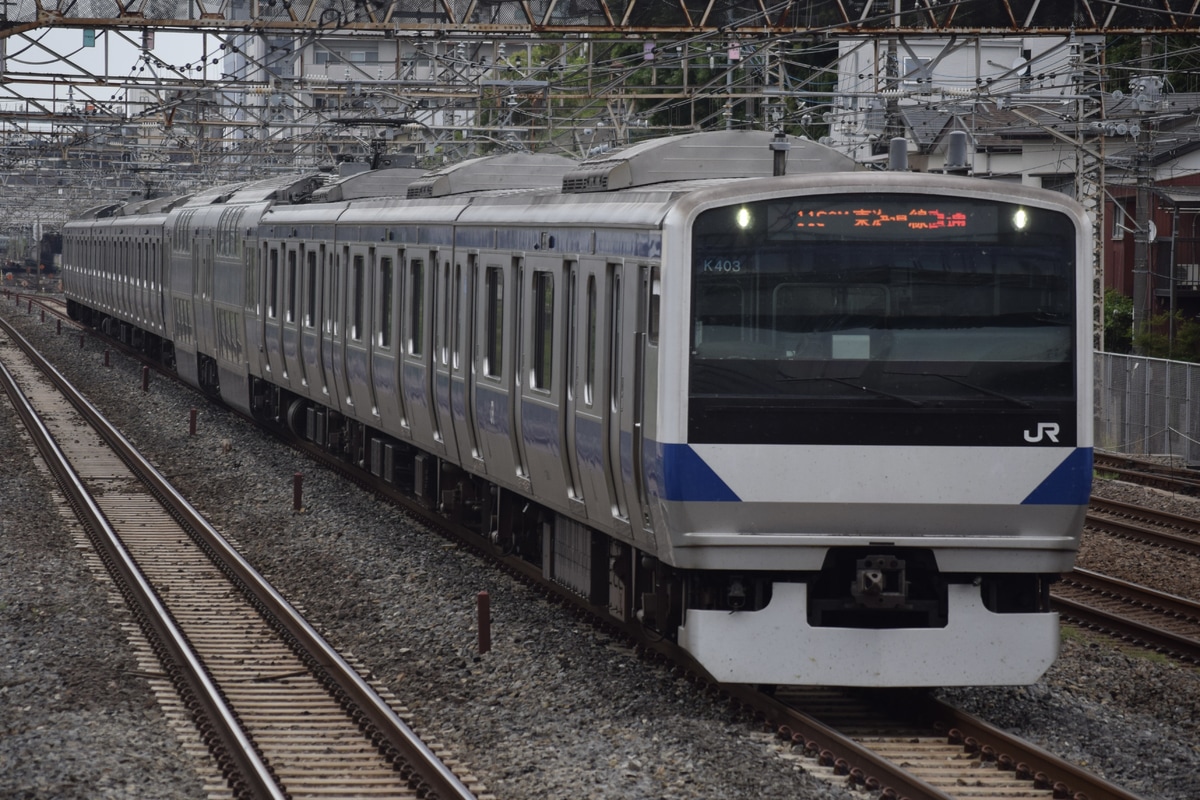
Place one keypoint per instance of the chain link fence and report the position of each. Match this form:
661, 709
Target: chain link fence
1147, 406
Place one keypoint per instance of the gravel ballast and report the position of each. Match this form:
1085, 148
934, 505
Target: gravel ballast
555, 710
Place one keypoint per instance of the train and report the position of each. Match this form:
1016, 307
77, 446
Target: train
816, 423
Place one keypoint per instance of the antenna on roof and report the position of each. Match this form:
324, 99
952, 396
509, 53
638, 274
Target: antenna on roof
956, 153
779, 147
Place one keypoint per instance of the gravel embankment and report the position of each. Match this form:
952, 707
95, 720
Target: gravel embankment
555, 710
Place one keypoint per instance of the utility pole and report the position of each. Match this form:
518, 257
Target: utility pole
1143, 294
1087, 66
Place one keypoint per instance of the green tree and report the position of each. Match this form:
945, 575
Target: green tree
1118, 322
1169, 336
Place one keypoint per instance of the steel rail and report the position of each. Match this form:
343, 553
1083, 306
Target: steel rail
1128, 530
1025, 755
236, 750
404, 743
1187, 647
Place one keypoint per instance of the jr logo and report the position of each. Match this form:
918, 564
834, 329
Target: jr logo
1048, 430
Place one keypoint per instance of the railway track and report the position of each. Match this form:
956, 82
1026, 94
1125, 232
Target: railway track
944, 752
1138, 614
932, 752
1128, 521
283, 714
1147, 473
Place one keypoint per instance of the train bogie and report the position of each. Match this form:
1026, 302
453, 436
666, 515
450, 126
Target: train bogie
821, 428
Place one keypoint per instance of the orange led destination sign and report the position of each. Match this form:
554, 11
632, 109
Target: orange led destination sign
876, 218
880, 217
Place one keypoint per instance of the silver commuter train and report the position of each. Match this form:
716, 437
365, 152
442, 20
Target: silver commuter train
828, 428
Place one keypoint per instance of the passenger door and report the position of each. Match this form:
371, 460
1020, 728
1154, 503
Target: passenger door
358, 279
587, 400
541, 396
444, 326
290, 322
311, 361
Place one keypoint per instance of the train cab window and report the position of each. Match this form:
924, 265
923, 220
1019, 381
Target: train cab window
291, 286
385, 301
822, 320
273, 283
493, 327
416, 311
589, 374
359, 269
310, 288
543, 330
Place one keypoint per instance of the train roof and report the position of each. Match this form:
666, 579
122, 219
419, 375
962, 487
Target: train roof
373, 183
702, 156
502, 172
293, 188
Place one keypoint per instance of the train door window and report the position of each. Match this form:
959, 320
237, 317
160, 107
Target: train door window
310, 288
589, 370
272, 282
457, 315
290, 310
416, 310
493, 363
571, 324
614, 379
358, 272
543, 330
252, 262
331, 326
385, 301
447, 301
653, 311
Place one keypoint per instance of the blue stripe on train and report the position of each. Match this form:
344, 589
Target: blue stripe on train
681, 475
1070, 484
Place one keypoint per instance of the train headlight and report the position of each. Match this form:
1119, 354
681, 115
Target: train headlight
743, 218
1020, 219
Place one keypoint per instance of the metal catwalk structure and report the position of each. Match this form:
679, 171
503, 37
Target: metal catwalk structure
677, 18
101, 100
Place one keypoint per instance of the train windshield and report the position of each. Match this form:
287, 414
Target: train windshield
885, 319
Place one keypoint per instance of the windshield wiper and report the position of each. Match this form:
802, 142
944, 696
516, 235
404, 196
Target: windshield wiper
981, 389
869, 390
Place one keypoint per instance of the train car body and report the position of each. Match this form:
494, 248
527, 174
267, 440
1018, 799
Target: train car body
828, 428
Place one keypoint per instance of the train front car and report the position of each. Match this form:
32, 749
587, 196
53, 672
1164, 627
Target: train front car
885, 455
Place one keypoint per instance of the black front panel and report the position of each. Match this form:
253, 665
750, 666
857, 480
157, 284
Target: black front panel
887, 319
726, 422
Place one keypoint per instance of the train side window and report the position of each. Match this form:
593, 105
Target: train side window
291, 286
356, 330
416, 311
385, 301
310, 288
493, 327
589, 375
543, 330
273, 283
